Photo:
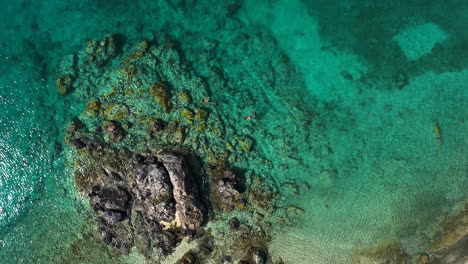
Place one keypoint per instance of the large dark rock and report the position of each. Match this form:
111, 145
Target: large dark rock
151, 199
153, 183
117, 235
153, 192
111, 199
167, 197
189, 208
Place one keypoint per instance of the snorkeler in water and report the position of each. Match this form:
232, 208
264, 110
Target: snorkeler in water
207, 101
250, 117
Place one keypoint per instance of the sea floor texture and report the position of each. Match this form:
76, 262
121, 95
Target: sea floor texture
316, 131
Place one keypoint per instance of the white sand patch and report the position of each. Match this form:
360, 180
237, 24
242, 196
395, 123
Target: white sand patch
417, 41
184, 247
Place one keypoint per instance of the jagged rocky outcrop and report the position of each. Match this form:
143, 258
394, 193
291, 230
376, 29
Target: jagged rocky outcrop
153, 200
189, 208
155, 165
159, 191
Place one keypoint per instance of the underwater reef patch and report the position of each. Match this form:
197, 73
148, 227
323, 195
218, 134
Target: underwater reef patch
155, 165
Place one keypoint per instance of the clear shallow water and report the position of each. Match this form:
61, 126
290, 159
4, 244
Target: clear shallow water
363, 153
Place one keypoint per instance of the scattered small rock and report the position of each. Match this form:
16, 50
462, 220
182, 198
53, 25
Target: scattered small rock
296, 210
226, 259
189, 258
184, 98
400, 80
422, 259
260, 256
64, 85
161, 94
246, 143
291, 188
157, 125
234, 223
347, 76
77, 143
114, 130
256, 255
101, 52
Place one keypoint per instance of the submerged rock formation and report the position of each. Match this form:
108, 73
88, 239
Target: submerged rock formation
156, 169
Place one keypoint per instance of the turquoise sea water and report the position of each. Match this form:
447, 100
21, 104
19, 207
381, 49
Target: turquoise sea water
361, 111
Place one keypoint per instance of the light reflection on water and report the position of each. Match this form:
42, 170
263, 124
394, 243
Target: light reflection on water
21, 158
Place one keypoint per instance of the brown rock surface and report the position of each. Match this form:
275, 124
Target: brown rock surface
189, 210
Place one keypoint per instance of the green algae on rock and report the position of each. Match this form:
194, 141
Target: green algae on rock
184, 98
162, 95
64, 85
